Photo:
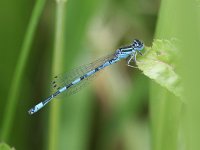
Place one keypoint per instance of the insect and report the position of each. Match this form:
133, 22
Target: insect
72, 82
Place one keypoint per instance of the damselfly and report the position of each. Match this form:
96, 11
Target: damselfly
71, 83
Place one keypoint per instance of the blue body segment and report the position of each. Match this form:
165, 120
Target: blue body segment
128, 52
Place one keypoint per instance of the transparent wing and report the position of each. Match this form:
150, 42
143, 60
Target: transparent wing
77, 87
62, 80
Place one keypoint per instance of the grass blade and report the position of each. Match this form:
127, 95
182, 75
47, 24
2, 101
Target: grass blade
18, 74
57, 68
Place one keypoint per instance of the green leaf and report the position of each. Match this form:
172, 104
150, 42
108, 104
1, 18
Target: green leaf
158, 63
4, 146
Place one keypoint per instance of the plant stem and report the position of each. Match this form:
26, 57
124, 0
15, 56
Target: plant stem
56, 68
165, 108
13, 93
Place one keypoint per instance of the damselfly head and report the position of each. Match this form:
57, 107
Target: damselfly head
137, 45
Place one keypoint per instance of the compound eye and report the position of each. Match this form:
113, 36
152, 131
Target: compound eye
137, 44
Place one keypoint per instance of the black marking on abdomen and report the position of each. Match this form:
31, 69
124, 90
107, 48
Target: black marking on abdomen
101, 67
110, 61
68, 86
55, 94
47, 100
82, 77
96, 69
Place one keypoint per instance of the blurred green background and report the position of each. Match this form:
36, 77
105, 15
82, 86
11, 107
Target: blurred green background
120, 110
